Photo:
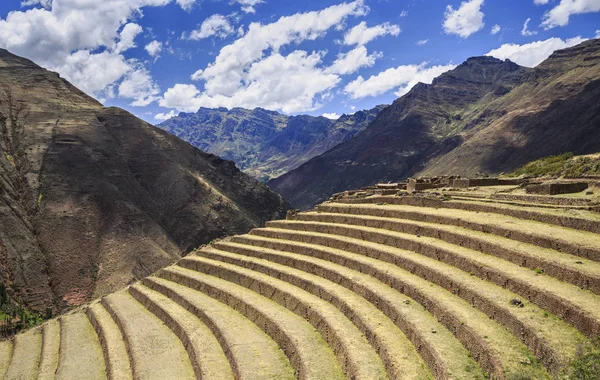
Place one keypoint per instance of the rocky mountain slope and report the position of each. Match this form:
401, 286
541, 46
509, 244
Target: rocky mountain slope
265, 144
485, 116
92, 198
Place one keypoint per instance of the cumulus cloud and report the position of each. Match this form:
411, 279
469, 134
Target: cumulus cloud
332, 115
598, 33
534, 53
401, 78
43, 3
361, 34
154, 48
560, 14
187, 5
83, 40
525, 31
248, 5
495, 29
138, 85
216, 25
251, 71
350, 62
465, 20
540, 2
289, 83
165, 116
127, 37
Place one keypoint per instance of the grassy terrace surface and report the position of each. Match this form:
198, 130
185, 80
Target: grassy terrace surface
383, 287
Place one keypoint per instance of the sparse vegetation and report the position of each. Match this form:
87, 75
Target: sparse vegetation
548, 166
565, 165
587, 364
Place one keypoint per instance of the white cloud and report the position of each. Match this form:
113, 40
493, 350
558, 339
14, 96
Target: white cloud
532, 54
197, 75
138, 85
560, 14
251, 72
422, 42
495, 29
216, 25
401, 78
465, 20
598, 33
127, 37
403, 13
43, 3
181, 97
525, 31
350, 62
154, 48
332, 115
248, 5
361, 34
84, 40
540, 2
187, 5
165, 116
289, 83
93, 73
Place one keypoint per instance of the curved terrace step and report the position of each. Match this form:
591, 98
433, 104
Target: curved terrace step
552, 340
496, 350
116, 357
358, 359
565, 267
80, 349
380, 287
26, 355
251, 352
583, 220
310, 355
444, 354
577, 306
381, 332
568, 240
205, 352
155, 351
6, 349
50, 350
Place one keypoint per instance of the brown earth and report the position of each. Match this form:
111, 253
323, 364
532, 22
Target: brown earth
92, 198
485, 116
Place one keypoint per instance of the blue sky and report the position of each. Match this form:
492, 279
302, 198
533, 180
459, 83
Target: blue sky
156, 58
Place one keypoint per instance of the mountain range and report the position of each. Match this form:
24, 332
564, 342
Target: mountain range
265, 144
485, 116
92, 198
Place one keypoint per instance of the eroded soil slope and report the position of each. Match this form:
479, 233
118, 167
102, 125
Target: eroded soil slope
92, 198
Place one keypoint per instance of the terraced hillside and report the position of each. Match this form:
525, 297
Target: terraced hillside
398, 287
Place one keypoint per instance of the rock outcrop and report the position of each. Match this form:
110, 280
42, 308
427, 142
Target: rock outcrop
265, 144
485, 116
92, 198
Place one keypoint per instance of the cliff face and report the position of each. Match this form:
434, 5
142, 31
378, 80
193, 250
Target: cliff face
485, 116
265, 144
92, 198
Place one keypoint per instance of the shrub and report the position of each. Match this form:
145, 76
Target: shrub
587, 364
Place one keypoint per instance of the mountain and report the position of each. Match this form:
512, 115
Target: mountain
265, 144
92, 198
485, 116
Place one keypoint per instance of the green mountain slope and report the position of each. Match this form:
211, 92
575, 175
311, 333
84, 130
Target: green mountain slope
265, 144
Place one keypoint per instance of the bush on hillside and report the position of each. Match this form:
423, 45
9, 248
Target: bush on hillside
587, 364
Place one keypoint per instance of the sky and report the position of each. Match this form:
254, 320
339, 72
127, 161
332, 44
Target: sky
157, 58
